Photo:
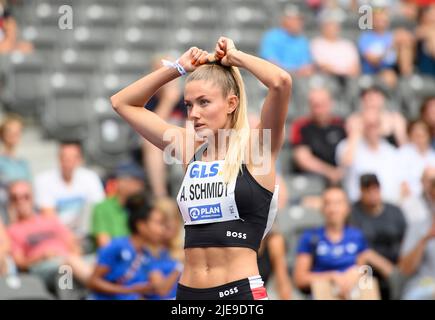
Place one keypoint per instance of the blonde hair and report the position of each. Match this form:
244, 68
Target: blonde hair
169, 208
231, 81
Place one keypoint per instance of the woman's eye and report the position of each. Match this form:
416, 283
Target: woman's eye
203, 102
188, 105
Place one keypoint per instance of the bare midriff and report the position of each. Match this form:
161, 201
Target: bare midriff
214, 266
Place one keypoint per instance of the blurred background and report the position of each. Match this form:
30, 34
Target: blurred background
362, 117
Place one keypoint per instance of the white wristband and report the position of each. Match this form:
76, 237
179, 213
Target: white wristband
175, 65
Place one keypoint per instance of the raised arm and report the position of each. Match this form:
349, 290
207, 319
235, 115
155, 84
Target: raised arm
277, 80
129, 102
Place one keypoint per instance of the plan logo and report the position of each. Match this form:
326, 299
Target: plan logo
211, 211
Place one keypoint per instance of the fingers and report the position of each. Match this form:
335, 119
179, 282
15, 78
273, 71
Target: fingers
199, 58
203, 58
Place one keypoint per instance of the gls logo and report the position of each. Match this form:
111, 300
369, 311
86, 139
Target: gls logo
228, 292
238, 235
202, 171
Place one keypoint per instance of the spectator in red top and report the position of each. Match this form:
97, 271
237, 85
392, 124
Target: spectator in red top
314, 137
9, 31
41, 244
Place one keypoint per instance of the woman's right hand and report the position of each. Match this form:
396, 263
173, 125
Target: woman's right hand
193, 58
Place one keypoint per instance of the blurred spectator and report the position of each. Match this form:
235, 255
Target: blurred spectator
109, 217
373, 105
316, 136
416, 156
425, 34
418, 251
427, 114
166, 259
173, 238
11, 167
287, 46
386, 52
41, 244
6, 265
9, 41
366, 151
382, 224
332, 54
70, 190
272, 262
331, 252
168, 103
123, 270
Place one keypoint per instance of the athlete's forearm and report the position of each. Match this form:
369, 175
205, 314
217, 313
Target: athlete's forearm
269, 74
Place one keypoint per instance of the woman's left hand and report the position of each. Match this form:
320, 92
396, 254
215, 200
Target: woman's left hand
225, 48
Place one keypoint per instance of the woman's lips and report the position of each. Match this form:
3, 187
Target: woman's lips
199, 126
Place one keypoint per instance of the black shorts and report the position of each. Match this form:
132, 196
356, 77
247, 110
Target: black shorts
251, 288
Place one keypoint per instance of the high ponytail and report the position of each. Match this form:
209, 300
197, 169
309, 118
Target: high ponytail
231, 81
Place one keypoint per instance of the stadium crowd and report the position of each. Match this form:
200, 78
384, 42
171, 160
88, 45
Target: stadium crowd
122, 234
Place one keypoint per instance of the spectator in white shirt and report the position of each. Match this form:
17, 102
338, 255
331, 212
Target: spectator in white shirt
418, 249
365, 151
70, 190
333, 54
415, 156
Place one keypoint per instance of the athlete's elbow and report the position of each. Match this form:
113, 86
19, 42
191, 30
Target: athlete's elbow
115, 102
283, 81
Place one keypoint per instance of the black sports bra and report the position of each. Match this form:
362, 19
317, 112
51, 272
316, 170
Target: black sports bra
256, 208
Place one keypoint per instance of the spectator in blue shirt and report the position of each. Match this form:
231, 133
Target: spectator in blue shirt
126, 267
287, 46
332, 252
167, 259
386, 52
12, 167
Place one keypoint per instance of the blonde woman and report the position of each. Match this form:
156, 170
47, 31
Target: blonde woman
227, 203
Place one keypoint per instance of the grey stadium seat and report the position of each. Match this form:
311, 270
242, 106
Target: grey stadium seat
23, 287
300, 185
147, 14
24, 89
109, 141
98, 15
67, 110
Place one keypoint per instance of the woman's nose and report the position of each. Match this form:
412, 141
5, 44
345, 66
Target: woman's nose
194, 112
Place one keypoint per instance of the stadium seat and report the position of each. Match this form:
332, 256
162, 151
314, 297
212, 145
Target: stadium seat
98, 15
94, 39
66, 110
300, 185
146, 14
146, 38
24, 90
109, 141
76, 63
23, 287
413, 90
